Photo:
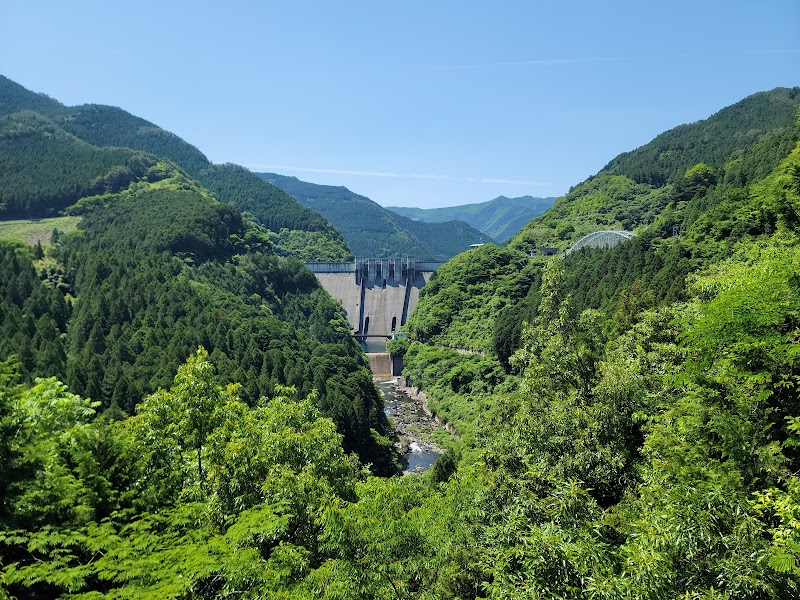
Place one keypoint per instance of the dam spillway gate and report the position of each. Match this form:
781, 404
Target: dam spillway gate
377, 295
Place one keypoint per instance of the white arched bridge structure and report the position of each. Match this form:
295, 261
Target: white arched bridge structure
607, 238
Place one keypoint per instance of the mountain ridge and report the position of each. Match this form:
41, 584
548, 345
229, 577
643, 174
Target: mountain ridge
499, 218
739, 144
112, 128
374, 231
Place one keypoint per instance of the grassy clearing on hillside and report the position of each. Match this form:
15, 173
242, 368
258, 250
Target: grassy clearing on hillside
30, 231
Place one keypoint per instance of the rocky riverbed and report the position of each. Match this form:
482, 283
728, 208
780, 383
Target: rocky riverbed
413, 426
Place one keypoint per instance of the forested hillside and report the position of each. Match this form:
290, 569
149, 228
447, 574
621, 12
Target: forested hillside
164, 268
159, 267
183, 413
51, 155
634, 411
457, 307
740, 144
45, 169
499, 219
373, 231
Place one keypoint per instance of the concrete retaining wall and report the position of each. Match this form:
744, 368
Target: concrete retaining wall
379, 364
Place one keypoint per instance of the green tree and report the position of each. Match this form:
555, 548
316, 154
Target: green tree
695, 182
171, 430
56, 478
562, 349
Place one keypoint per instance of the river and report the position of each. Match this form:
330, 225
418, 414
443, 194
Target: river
413, 428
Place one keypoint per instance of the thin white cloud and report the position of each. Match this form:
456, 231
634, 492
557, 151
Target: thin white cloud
540, 62
422, 176
333, 171
278, 168
510, 181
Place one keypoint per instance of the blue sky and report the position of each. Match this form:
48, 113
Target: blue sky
410, 103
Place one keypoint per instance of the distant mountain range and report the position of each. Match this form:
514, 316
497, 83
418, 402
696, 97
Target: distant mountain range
499, 219
373, 231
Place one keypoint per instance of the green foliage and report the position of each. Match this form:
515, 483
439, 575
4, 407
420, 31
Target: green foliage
16, 98
162, 268
538, 542
399, 541
301, 232
784, 507
460, 387
643, 445
574, 412
651, 269
510, 321
175, 424
166, 268
33, 316
247, 522
646, 453
563, 348
109, 126
310, 246
782, 190
719, 439
398, 346
376, 561
458, 306
55, 477
695, 182
730, 132
606, 201
444, 467
741, 144
44, 169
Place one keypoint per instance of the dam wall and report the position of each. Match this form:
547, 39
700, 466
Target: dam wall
377, 295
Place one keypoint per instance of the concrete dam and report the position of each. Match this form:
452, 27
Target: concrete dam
377, 295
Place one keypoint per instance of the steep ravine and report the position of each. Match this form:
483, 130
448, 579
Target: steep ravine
414, 425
